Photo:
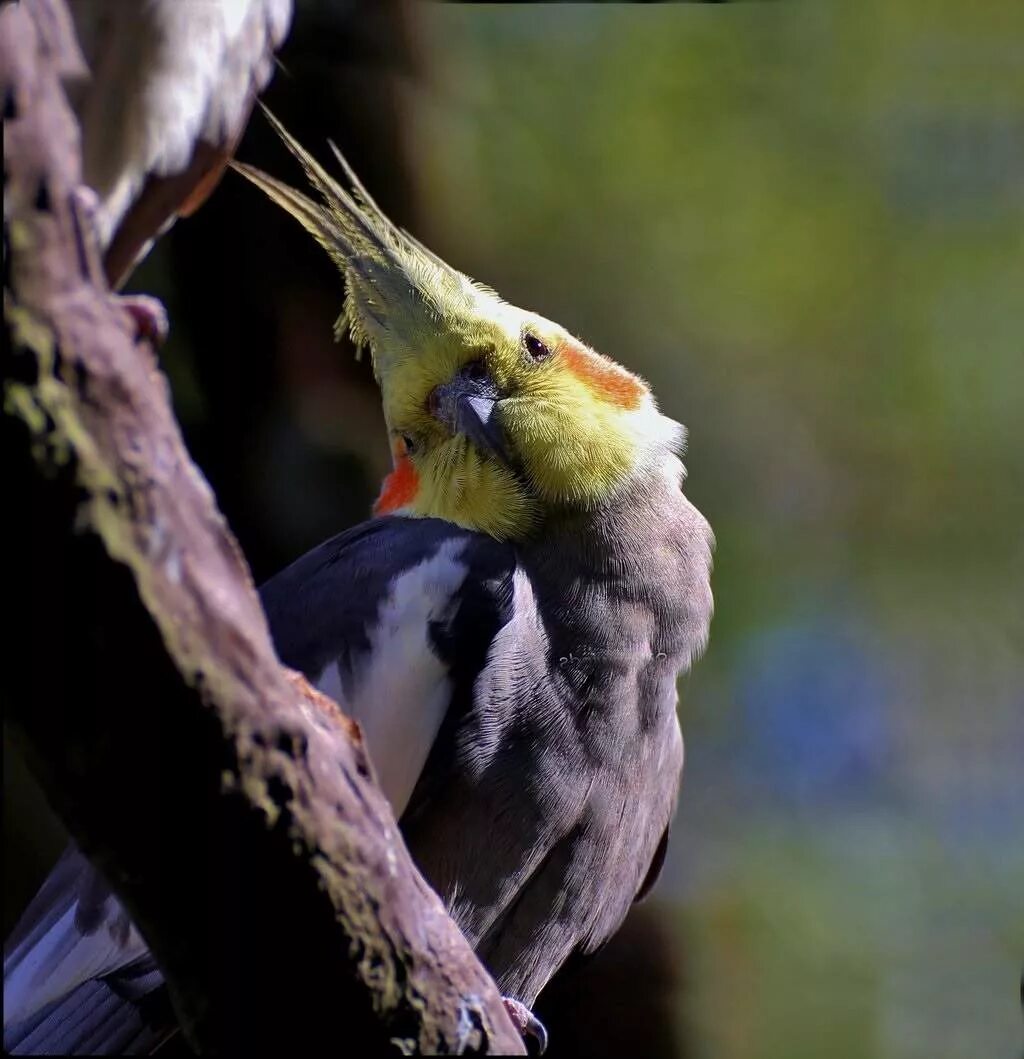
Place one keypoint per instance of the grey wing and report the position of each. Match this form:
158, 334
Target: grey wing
73, 965
541, 811
654, 871
171, 87
390, 619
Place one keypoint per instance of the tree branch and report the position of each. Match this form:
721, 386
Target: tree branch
231, 807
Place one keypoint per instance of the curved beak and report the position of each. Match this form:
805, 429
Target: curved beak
468, 406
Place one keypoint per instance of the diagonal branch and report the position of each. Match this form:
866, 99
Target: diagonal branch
232, 807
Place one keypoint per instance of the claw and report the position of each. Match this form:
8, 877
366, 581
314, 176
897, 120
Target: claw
88, 203
148, 315
529, 1026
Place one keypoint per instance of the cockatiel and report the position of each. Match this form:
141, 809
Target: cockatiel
508, 629
169, 90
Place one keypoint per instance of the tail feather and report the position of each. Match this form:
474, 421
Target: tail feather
92, 1020
77, 974
74, 930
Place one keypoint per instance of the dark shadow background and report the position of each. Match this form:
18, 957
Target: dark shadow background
804, 225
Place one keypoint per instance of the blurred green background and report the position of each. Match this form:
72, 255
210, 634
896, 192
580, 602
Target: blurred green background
804, 224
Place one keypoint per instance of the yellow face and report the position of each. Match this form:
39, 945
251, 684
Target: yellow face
567, 424
497, 416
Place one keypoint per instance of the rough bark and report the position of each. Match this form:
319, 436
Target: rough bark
231, 806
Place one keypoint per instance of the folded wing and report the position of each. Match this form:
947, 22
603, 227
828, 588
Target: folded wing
388, 619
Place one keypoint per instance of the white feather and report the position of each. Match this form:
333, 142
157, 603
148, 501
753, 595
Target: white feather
401, 690
165, 74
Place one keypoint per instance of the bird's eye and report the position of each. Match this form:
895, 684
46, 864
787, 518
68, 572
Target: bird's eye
408, 444
535, 348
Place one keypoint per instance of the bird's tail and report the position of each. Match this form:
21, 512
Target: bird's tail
78, 978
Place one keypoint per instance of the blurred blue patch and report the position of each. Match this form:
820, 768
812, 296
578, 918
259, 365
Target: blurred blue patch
813, 721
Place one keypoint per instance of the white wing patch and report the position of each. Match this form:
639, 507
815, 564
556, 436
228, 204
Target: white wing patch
400, 691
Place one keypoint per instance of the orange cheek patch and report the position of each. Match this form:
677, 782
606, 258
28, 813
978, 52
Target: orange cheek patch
606, 379
400, 486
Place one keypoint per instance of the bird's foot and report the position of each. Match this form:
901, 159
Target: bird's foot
530, 1027
148, 315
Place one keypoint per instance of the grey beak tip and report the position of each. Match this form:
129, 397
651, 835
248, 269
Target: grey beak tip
466, 405
477, 420
483, 408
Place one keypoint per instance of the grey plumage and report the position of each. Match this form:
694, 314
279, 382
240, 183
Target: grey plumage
563, 776
541, 811
77, 974
555, 772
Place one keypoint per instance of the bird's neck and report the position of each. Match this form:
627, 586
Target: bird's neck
646, 554
619, 536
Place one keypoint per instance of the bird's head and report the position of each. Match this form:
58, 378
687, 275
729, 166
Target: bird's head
497, 416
